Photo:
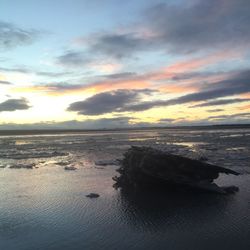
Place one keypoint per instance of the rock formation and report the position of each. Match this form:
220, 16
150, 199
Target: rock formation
147, 167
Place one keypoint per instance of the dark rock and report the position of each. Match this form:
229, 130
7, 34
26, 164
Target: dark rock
70, 168
92, 195
203, 158
99, 167
107, 162
20, 166
230, 189
56, 153
148, 167
62, 163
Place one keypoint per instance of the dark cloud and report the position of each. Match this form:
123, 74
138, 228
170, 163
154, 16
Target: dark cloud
143, 106
166, 120
214, 110
124, 122
108, 102
25, 70
201, 24
5, 82
105, 45
15, 69
192, 75
89, 124
72, 59
126, 100
221, 102
61, 87
103, 123
233, 116
239, 83
51, 74
122, 75
14, 104
12, 36
193, 26
118, 45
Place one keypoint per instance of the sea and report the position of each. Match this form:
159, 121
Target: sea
45, 177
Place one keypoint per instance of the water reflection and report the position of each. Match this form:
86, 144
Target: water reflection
195, 218
172, 209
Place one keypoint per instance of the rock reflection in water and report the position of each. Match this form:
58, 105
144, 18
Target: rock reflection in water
198, 219
158, 209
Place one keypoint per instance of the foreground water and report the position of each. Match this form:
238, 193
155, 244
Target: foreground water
43, 206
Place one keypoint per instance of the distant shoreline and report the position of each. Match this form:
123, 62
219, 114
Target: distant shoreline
75, 131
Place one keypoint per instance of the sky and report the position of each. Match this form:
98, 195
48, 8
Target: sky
93, 64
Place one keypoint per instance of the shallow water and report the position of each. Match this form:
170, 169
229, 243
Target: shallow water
45, 207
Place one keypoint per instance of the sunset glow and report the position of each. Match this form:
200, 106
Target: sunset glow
148, 68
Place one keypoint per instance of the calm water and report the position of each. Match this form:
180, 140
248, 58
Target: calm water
45, 207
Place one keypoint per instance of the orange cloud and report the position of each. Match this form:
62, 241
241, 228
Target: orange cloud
90, 88
197, 63
245, 107
108, 86
194, 64
247, 95
175, 89
169, 79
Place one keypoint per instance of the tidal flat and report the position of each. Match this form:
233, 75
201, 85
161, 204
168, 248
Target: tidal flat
45, 178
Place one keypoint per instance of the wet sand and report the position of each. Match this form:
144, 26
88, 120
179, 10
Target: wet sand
46, 207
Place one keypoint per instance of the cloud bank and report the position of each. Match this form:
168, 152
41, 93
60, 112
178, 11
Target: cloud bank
108, 102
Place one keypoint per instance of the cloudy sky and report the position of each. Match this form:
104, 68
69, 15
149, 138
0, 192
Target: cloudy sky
112, 63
